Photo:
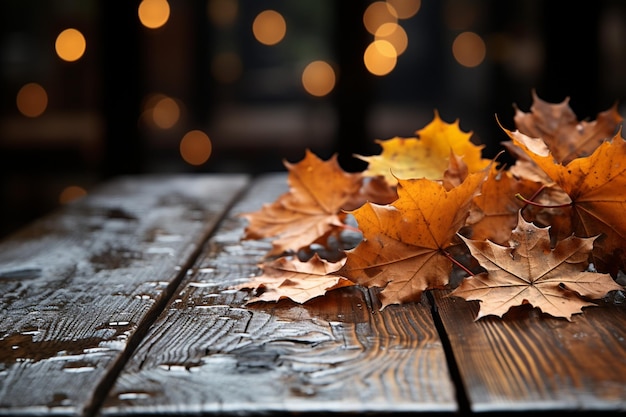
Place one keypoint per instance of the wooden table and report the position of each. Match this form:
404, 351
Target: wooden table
119, 304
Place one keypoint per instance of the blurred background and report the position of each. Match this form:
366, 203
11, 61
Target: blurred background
93, 89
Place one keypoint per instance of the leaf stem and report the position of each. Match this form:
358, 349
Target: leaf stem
457, 263
539, 190
532, 203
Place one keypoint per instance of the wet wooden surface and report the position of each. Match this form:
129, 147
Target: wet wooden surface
120, 304
79, 288
527, 361
210, 353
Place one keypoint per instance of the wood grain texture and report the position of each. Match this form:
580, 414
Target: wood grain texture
528, 361
77, 286
211, 353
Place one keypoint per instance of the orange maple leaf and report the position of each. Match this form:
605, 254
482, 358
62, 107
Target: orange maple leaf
310, 210
566, 137
404, 243
596, 186
300, 281
532, 272
551, 206
425, 156
494, 212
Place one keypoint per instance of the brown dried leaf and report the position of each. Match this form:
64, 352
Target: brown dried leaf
596, 186
566, 137
311, 209
531, 272
494, 212
288, 277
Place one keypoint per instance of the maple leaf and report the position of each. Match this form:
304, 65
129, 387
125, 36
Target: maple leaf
596, 185
455, 173
288, 277
530, 271
425, 156
557, 125
403, 245
376, 190
495, 210
551, 202
310, 210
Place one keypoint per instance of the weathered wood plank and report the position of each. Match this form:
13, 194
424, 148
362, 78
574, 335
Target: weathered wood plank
210, 353
527, 361
80, 285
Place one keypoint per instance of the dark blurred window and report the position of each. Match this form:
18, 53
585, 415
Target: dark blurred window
95, 88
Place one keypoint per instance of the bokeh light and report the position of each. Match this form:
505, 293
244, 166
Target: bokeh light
165, 113
195, 147
380, 57
405, 9
269, 27
161, 111
394, 34
71, 193
469, 49
32, 100
153, 13
377, 14
70, 45
318, 78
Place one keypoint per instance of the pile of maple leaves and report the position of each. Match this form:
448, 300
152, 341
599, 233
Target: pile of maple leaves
549, 231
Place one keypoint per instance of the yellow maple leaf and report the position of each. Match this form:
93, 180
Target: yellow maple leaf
425, 156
